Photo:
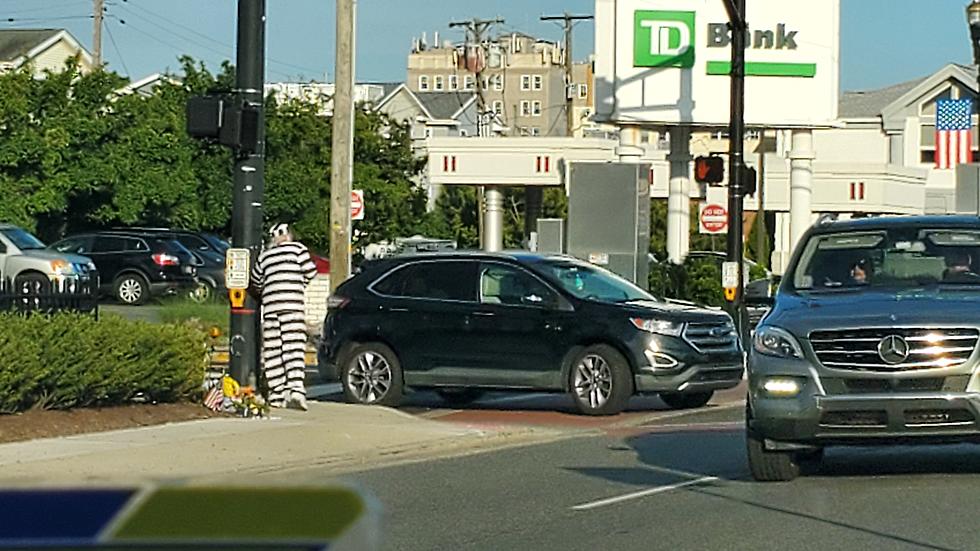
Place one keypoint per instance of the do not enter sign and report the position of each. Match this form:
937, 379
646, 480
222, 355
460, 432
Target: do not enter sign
714, 218
357, 204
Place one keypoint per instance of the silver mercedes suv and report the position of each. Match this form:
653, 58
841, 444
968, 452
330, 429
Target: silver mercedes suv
872, 339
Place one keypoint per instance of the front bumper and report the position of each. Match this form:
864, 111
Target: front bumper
825, 413
693, 372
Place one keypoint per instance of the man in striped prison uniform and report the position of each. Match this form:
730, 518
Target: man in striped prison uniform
282, 272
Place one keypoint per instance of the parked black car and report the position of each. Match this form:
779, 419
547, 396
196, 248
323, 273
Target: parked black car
209, 255
135, 266
465, 322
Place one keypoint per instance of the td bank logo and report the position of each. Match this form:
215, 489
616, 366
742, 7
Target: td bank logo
663, 38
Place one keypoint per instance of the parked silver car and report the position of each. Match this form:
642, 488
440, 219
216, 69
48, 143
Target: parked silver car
25, 263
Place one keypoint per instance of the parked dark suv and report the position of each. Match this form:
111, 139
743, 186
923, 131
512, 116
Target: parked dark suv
209, 255
872, 340
465, 322
135, 266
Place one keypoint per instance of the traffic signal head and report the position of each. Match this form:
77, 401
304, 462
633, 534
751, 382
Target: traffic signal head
748, 182
709, 170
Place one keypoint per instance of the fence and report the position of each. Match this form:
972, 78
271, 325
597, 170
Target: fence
44, 296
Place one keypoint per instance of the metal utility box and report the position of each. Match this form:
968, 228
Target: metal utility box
968, 188
551, 235
609, 216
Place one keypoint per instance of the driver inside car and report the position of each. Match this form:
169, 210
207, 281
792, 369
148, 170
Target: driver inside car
958, 268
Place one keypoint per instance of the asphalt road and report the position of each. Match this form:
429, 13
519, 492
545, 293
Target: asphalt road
676, 481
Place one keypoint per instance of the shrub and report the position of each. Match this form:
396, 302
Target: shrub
71, 360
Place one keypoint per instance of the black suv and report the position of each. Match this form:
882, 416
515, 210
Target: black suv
209, 256
135, 266
465, 322
872, 340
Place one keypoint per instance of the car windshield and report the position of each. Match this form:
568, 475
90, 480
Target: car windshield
22, 239
894, 258
218, 243
590, 282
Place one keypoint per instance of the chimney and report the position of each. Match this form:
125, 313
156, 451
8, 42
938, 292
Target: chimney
435, 39
425, 42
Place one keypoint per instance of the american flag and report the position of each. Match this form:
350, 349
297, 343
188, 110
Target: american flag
214, 398
953, 141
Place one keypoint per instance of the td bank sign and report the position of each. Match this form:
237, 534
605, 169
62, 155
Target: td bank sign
669, 39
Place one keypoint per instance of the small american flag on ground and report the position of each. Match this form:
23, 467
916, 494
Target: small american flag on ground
214, 398
953, 141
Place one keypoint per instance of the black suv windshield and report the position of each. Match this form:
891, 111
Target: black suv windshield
894, 258
586, 281
22, 240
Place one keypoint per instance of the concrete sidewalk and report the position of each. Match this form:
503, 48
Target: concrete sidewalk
335, 437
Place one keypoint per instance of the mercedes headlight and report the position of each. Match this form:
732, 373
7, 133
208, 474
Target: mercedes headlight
660, 327
773, 341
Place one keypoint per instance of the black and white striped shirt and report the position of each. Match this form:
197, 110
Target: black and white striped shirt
282, 272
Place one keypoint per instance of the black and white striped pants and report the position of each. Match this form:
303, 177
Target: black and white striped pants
284, 353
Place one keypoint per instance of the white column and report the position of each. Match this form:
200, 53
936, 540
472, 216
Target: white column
493, 221
800, 184
679, 194
629, 149
781, 250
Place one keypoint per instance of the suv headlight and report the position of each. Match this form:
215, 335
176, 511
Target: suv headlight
660, 327
61, 267
773, 341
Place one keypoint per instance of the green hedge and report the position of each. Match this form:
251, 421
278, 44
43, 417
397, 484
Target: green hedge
71, 360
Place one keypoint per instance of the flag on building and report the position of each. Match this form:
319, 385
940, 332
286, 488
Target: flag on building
953, 141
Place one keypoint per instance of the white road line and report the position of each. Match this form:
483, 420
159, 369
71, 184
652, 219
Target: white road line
642, 493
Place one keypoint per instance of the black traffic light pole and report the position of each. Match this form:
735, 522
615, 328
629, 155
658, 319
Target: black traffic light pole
736, 142
249, 180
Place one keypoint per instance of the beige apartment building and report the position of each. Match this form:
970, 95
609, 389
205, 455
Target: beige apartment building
523, 81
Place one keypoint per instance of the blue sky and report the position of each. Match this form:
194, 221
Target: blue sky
882, 41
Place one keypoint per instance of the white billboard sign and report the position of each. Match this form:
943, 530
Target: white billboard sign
667, 62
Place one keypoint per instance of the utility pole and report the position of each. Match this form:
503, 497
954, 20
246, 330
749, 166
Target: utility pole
568, 22
342, 155
736, 135
491, 225
97, 15
249, 180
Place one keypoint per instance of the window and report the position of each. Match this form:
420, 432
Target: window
498, 107
439, 82
507, 285
583, 91
194, 243
423, 83
468, 82
498, 82
537, 82
590, 282
525, 108
486, 83
525, 82
75, 245
447, 280
535, 131
136, 245
454, 82
536, 108
109, 244
22, 239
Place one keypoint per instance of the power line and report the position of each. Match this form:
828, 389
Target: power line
118, 52
44, 19
193, 31
51, 7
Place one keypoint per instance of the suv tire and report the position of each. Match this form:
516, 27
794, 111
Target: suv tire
31, 284
371, 374
131, 289
686, 400
767, 465
600, 381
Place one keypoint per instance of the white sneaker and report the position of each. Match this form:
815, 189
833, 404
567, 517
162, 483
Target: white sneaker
298, 401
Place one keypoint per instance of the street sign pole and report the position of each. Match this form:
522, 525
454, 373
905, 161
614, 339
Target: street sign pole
249, 182
736, 137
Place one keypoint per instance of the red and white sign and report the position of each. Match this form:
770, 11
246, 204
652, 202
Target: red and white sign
357, 204
713, 218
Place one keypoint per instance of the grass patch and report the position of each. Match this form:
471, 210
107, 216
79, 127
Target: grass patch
208, 314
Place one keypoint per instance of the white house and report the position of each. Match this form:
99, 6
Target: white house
44, 49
